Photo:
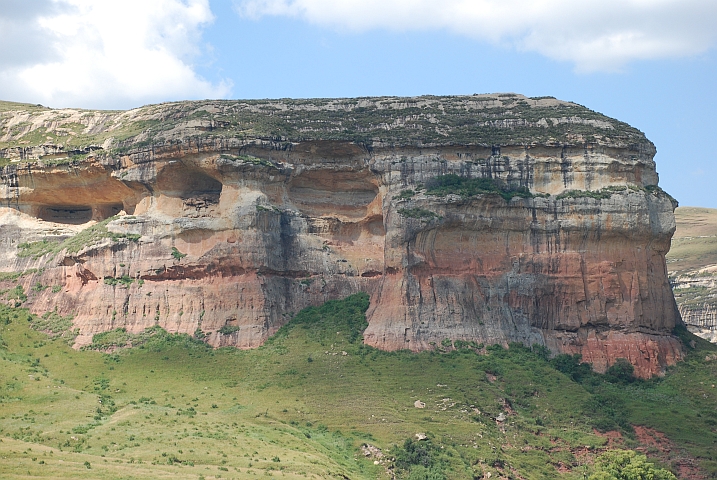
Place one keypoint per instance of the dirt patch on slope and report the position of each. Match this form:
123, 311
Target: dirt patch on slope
656, 444
658, 447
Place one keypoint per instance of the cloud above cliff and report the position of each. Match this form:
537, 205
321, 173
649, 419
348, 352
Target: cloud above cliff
108, 54
595, 35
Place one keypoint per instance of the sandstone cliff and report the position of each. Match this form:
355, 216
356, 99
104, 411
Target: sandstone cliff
486, 218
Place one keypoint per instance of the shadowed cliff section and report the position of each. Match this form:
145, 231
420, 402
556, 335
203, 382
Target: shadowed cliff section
486, 218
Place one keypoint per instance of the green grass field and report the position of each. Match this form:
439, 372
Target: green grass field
303, 405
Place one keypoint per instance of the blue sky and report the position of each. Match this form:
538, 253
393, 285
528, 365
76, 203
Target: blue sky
651, 66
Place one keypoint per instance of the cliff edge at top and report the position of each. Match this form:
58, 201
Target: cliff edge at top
484, 218
500, 119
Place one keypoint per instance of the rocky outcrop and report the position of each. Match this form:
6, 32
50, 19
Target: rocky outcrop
692, 266
485, 218
696, 295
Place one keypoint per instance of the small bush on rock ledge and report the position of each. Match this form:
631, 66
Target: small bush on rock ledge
228, 329
469, 187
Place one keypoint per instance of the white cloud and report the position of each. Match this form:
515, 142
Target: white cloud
593, 34
104, 54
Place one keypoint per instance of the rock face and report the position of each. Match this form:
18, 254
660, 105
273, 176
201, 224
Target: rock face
199, 215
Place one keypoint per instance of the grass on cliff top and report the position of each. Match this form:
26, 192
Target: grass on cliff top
302, 405
6, 106
500, 120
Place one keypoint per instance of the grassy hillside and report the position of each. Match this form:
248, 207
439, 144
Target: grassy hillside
694, 245
303, 406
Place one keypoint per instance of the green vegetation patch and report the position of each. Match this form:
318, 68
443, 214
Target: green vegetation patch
16, 296
36, 249
627, 465
55, 325
406, 194
116, 338
154, 338
314, 402
419, 459
13, 276
86, 238
659, 192
123, 281
10, 276
177, 254
249, 159
607, 192
228, 329
93, 235
342, 319
469, 187
602, 194
596, 194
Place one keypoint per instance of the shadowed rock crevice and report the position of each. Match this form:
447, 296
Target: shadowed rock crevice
345, 194
69, 195
76, 214
178, 180
186, 191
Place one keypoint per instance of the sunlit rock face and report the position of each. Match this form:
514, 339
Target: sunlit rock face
241, 213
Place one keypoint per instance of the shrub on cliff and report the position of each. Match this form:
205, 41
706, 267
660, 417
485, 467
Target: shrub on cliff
621, 371
347, 317
468, 187
572, 366
17, 296
177, 254
418, 460
228, 329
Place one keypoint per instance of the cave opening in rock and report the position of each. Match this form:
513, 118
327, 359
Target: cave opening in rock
323, 193
73, 215
178, 180
77, 214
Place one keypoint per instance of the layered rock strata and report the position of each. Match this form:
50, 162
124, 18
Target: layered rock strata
199, 215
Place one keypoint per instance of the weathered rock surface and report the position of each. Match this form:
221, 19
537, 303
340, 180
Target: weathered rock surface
240, 213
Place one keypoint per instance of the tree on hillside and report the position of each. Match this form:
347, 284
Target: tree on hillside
627, 465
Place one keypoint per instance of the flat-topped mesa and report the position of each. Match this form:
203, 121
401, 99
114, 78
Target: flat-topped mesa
486, 218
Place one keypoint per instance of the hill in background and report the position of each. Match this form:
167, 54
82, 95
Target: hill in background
692, 266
